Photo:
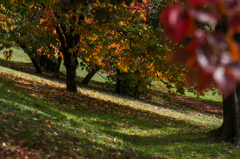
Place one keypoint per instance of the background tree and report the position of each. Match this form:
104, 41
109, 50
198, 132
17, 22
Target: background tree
126, 39
129, 40
24, 30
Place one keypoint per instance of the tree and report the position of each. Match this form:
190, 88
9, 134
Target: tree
43, 19
23, 30
126, 33
129, 41
213, 56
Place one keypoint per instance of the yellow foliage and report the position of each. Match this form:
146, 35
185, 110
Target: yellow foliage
11, 28
122, 23
22, 38
87, 59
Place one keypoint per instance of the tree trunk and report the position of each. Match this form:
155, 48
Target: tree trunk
89, 76
230, 118
57, 68
229, 130
70, 59
118, 85
51, 66
31, 54
70, 62
71, 78
36, 65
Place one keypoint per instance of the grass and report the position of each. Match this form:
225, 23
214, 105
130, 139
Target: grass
40, 119
20, 56
92, 124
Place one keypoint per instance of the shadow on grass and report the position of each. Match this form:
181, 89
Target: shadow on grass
180, 103
30, 69
42, 119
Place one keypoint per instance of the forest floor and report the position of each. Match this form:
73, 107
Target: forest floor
40, 119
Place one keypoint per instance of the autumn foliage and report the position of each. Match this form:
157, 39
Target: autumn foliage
118, 38
213, 57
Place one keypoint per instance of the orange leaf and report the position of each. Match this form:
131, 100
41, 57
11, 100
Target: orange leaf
233, 46
49, 126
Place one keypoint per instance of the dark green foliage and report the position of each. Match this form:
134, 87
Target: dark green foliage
132, 84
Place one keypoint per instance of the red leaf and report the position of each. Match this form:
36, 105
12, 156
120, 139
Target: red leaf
235, 70
206, 80
51, 25
233, 21
231, 4
200, 36
224, 80
7, 54
24, 152
203, 16
197, 3
217, 40
177, 23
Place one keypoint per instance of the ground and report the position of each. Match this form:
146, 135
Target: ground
40, 119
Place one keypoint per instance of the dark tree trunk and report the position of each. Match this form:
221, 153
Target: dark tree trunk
118, 84
89, 76
57, 68
71, 78
31, 54
46, 63
229, 130
230, 127
70, 62
43, 61
51, 66
36, 65
70, 59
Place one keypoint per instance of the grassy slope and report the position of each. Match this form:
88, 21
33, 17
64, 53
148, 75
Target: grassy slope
20, 56
97, 125
38, 117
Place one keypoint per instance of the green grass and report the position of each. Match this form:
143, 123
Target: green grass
20, 56
38, 117
208, 95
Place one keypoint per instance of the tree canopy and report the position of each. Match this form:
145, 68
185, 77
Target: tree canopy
122, 36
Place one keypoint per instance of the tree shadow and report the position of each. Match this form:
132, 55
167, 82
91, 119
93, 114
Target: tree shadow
30, 69
181, 103
177, 104
38, 96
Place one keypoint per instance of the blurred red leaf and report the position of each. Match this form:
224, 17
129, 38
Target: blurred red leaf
224, 80
177, 23
204, 16
197, 3
231, 4
233, 21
